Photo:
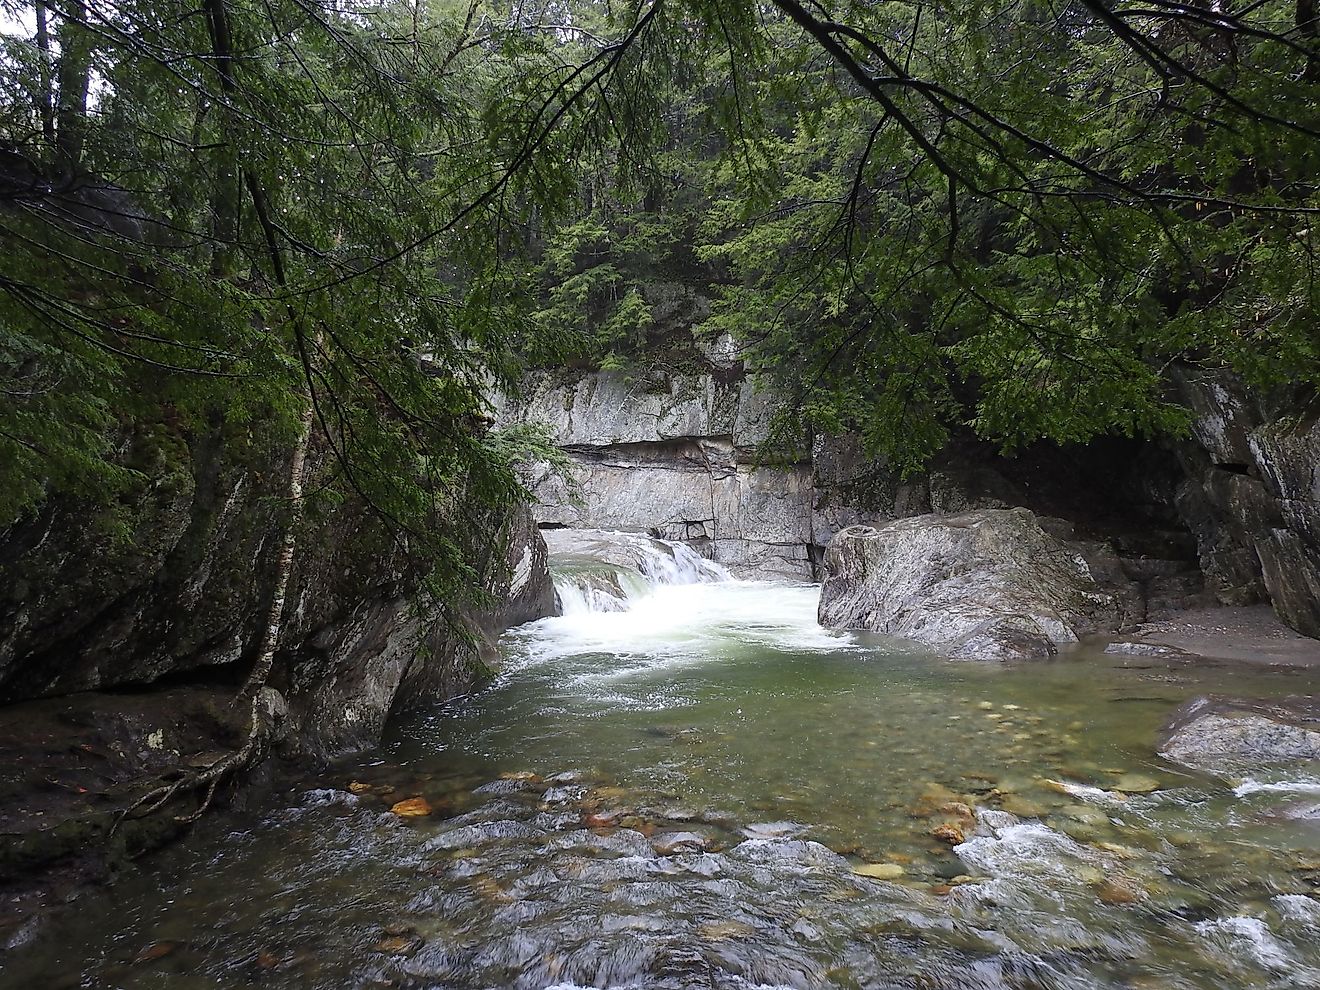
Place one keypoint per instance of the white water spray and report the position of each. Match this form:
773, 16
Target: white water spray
657, 602
600, 571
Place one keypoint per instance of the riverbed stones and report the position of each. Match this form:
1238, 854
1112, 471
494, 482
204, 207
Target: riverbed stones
879, 871
1136, 783
985, 585
1117, 889
1225, 735
949, 832
673, 843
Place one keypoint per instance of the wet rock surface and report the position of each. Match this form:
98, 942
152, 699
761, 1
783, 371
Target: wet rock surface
1247, 634
185, 596
135, 649
69, 766
1226, 735
987, 585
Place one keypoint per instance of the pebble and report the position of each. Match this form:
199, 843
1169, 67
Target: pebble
950, 833
671, 843
1116, 890
158, 950
717, 931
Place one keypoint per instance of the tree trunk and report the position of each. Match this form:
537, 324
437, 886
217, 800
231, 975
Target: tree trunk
46, 98
75, 75
227, 195
256, 679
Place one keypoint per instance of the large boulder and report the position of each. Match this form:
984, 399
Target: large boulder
1223, 735
984, 585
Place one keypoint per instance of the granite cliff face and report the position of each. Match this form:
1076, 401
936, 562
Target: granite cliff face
677, 460
120, 652
688, 458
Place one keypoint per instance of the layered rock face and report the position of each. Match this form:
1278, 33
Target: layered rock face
183, 599
678, 461
986, 585
688, 459
1252, 494
1233, 518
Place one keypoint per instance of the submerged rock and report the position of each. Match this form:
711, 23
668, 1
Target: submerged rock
1136, 783
1117, 889
986, 585
950, 833
1227, 735
879, 871
414, 807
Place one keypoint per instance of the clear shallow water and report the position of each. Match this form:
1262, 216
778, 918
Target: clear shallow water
681, 793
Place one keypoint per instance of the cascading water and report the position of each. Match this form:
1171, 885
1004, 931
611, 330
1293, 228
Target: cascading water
651, 604
602, 571
684, 782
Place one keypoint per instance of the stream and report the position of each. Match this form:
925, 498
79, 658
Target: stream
685, 782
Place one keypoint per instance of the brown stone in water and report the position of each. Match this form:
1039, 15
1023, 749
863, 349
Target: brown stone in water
718, 931
950, 833
358, 787
958, 810
602, 819
1118, 890
413, 807
670, 843
157, 950
398, 945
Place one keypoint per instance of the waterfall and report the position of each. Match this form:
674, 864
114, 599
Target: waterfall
600, 571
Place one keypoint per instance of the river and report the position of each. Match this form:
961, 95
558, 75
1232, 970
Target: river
685, 782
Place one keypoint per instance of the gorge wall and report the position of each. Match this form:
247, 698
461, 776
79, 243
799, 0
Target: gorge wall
1230, 514
176, 593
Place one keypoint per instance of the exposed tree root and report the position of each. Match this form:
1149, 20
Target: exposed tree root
209, 778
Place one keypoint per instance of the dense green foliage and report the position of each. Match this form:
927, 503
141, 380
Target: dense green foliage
1005, 216
1000, 217
232, 211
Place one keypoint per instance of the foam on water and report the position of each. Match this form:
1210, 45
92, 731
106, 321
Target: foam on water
1250, 935
688, 621
1252, 786
654, 602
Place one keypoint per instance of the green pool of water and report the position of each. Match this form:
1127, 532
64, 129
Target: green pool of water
707, 789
